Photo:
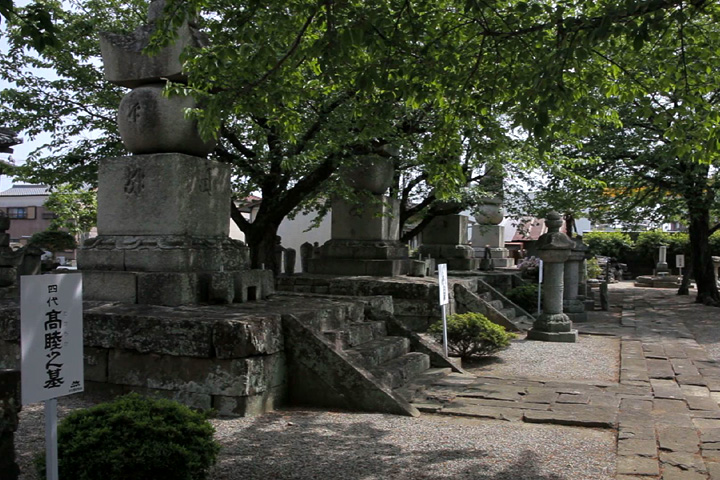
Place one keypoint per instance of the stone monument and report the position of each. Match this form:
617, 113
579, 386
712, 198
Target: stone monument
163, 212
662, 266
488, 233
573, 302
445, 239
365, 237
553, 248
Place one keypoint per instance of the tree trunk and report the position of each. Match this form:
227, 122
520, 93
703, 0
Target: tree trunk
260, 238
702, 265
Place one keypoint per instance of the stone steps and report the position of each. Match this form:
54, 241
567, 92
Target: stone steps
376, 352
418, 384
356, 334
399, 371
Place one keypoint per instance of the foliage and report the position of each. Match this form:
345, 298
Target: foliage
472, 335
609, 244
53, 240
593, 268
35, 20
529, 266
75, 210
135, 438
525, 296
647, 243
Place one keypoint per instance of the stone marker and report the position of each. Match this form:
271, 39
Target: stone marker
488, 233
662, 266
163, 213
365, 236
445, 239
553, 248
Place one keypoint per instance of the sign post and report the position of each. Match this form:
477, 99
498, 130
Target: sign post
51, 338
680, 262
540, 282
444, 300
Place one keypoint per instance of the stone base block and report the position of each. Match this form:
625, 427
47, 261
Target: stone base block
163, 194
563, 337
349, 266
112, 286
174, 288
492, 236
375, 220
446, 230
163, 254
170, 289
368, 250
461, 264
443, 252
504, 262
252, 405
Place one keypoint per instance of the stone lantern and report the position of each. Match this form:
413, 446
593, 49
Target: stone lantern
573, 305
554, 249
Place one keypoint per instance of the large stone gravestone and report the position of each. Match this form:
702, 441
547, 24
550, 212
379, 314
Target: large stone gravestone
163, 212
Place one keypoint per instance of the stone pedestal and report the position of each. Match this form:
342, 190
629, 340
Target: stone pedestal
365, 236
492, 236
446, 240
553, 249
163, 213
573, 303
662, 266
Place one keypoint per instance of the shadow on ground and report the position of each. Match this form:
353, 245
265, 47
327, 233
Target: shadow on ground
307, 446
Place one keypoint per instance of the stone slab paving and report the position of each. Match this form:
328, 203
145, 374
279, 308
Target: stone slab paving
664, 407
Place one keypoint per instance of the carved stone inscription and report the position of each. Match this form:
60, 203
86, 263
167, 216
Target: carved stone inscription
134, 181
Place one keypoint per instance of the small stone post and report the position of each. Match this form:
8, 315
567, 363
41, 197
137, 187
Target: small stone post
306, 253
553, 249
573, 306
662, 266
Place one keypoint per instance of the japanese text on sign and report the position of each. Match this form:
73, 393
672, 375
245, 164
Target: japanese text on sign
51, 336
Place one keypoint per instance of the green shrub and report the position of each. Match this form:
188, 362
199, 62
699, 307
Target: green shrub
646, 246
524, 296
609, 244
53, 240
472, 335
135, 438
715, 244
594, 270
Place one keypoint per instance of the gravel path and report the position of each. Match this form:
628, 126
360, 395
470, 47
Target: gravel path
312, 444
591, 358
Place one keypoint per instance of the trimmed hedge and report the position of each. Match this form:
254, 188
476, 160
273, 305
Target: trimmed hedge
472, 335
135, 438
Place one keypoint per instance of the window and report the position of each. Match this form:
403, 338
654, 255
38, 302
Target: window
17, 212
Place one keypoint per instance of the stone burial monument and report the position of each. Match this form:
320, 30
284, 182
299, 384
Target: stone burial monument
365, 238
163, 212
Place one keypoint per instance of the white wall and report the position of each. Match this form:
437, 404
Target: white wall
293, 233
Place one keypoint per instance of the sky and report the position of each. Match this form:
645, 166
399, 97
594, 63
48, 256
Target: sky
20, 152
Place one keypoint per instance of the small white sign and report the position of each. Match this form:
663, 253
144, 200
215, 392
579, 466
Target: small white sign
680, 261
51, 336
540, 272
443, 283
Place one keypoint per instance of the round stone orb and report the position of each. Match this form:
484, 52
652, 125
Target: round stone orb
151, 123
489, 213
372, 173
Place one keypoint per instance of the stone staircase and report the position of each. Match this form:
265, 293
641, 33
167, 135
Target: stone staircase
359, 357
494, 305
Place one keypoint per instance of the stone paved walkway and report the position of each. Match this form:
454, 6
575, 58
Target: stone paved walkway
664, 408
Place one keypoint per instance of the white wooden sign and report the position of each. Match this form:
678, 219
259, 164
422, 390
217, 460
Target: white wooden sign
51, 336
540, 272
680, 261
443, 283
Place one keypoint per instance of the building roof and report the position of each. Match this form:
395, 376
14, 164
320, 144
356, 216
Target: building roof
8, 138
26, 191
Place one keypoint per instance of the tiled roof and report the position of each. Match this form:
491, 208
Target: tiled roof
8, 138
25, 191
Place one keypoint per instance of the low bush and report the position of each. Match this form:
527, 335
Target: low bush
524, 296
648, 243
135, 438
472, 335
